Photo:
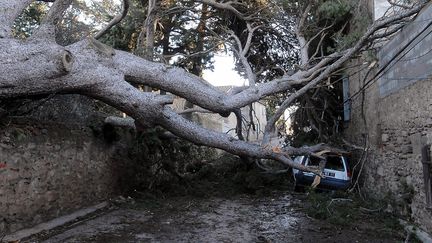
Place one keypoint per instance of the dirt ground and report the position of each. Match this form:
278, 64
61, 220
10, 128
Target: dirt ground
226, 201
279, 217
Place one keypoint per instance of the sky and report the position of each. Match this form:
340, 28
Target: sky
224, 73
381, 7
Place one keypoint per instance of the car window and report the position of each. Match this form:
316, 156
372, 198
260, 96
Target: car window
335, 163
313, 161
299, 159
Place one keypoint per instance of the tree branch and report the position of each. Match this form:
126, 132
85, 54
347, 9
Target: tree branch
304, 45
188, 130
226, 6
243, 50
399, 4
30, 68
330, 68
247, 45
115, 20
244, 62
195, 89
56, 11
48, 25
121, 122
193, 110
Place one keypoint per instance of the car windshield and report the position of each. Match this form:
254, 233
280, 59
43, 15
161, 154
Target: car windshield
333, 163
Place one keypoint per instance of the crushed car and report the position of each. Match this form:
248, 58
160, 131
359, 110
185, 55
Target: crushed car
337, 173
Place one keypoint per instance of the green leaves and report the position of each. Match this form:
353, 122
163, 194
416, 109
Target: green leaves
334, 10
29, 19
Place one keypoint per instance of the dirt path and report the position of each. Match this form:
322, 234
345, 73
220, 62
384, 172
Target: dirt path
276, 218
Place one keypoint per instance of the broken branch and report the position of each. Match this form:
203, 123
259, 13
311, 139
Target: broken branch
115, 20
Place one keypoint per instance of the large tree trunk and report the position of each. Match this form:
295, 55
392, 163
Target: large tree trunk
40, 66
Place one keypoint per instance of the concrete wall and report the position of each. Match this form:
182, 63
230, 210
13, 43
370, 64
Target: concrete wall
51, 170
398, 122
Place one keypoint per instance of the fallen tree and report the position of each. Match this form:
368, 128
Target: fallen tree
39, 66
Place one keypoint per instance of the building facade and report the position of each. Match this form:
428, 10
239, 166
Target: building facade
254, 118
390, 111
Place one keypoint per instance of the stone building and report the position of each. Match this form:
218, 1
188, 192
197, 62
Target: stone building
389, 108
254, 118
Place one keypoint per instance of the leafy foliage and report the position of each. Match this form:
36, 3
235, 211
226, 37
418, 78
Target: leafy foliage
29, 19
318, 117
341, 209
334, 10
157, 159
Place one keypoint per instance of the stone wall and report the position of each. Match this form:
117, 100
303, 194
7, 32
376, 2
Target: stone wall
397, 122
51, 170
397, 125
60, 157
